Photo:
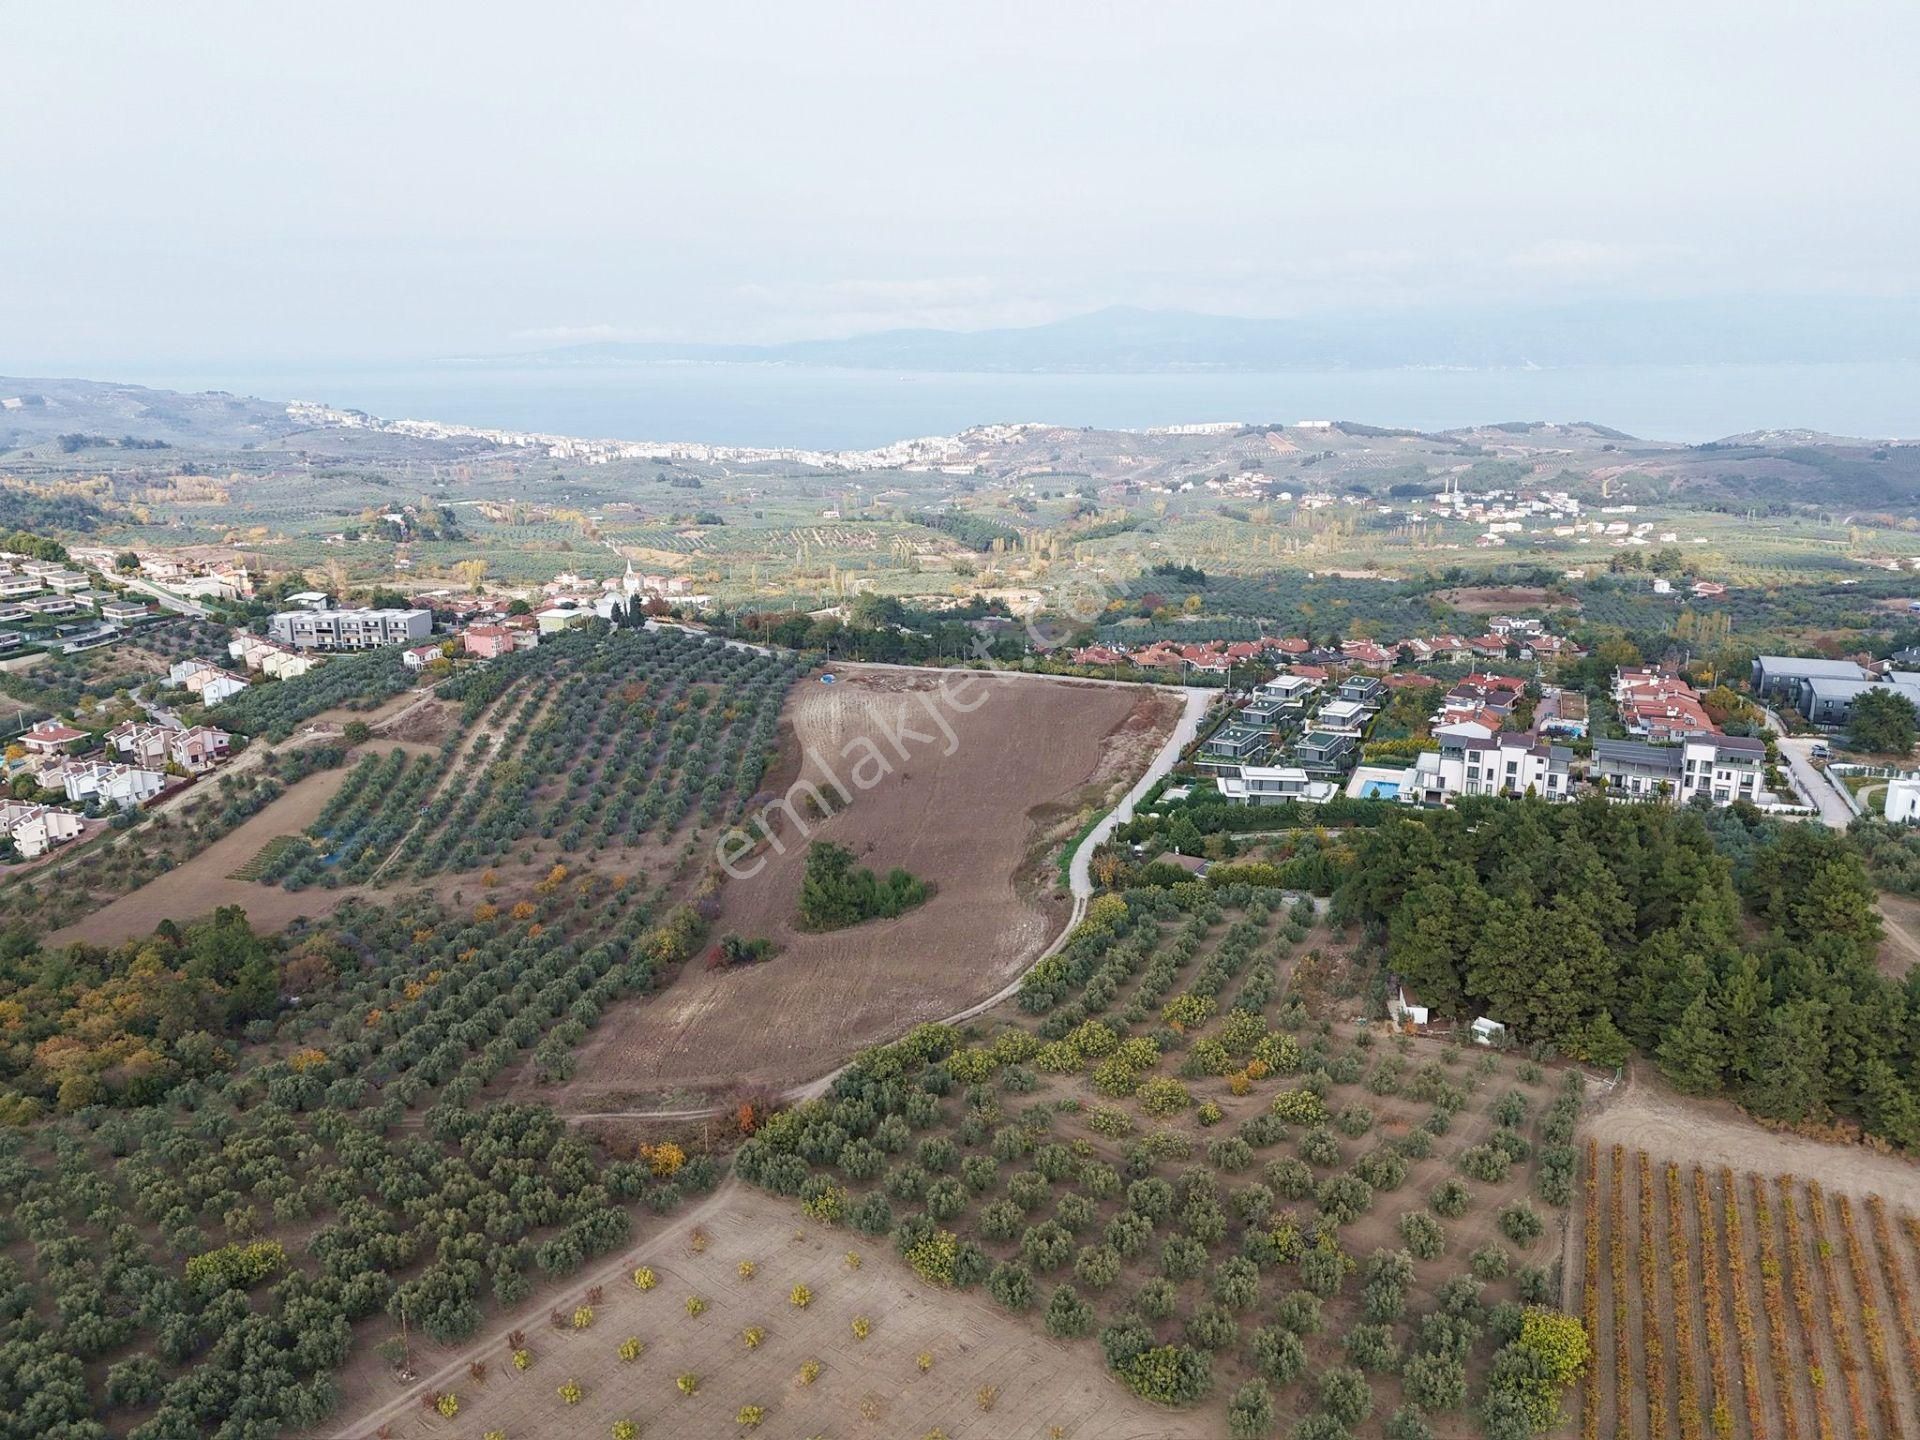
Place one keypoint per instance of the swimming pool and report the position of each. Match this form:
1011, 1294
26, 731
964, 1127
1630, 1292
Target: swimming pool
1380, 790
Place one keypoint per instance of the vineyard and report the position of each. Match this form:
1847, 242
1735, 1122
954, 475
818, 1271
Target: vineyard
1739, 1305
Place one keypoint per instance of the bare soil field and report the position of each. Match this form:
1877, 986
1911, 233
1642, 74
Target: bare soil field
204, 883
875, 1386
979, 823
1900, 947
1645, 1114
1744, 1304
1492, 599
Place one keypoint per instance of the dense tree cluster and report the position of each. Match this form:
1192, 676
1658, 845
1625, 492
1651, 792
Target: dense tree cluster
1882, 722
1598, 928
87, 1026
276, 708
150, 1228
835, 892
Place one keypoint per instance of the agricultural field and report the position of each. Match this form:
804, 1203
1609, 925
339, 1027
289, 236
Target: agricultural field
252, 1181
1160, 1154
590, 747
1734, 1303
981, 823
928, 1360
357, 682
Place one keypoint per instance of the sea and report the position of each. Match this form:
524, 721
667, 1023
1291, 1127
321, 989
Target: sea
817, 407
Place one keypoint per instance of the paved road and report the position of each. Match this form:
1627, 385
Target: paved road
1814, 787
179, 604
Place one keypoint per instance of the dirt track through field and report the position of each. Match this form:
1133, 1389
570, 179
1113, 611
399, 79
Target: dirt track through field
875, 1386
1023, 765
205, 882
1643, 1114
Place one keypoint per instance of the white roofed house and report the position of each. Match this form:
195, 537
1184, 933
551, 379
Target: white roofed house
1273, 785
107, 783
1405, 1009
36, 829
209, 682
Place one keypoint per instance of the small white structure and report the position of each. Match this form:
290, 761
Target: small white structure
1405, 1009
1488, 1032
1903, 800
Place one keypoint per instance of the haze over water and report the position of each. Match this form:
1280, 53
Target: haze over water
824, 408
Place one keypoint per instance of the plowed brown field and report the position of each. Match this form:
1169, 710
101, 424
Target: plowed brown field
982, 823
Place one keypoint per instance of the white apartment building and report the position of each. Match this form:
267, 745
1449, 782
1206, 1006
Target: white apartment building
1501, 764
350, 629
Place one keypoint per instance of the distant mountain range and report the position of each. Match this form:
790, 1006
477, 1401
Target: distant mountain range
1127, 340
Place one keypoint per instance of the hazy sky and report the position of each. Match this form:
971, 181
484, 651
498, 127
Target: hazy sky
274, 183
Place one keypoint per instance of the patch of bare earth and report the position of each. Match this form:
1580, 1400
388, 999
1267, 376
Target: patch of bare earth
1492, 599
874, 1386
205, 882
1900, 943
1645, 1114
978, 814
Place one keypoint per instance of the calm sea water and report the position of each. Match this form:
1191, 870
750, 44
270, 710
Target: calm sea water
821, 408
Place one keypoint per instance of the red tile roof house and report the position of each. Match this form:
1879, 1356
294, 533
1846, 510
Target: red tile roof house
200, 748
1311, 672
1204, 658
1366, 654
489, 642
1099, 655
50, 737
1292, 645
1161, 655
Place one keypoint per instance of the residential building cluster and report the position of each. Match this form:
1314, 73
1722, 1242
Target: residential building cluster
1506, 638
59, 609
130, 766
189, 576
1300, 735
